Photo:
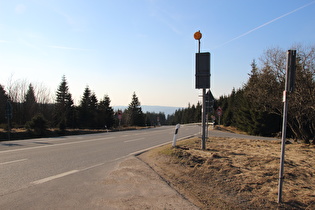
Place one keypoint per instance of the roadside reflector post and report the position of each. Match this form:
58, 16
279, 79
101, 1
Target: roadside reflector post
175, 135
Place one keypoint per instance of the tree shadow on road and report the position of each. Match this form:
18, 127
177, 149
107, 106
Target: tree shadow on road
11, 145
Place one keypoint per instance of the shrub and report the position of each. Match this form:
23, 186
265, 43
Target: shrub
38, 125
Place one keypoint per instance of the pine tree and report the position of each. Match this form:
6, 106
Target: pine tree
154, 119
228, 117
106, 116
84, 109
191, 114
93, 109
197, 117
3, 101
135, 116
30, 104
64, 110
256, 102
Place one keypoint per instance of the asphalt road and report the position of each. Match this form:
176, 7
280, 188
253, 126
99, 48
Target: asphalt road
54, 173
67, 172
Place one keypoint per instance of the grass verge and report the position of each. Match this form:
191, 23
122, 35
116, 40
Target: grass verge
237, 173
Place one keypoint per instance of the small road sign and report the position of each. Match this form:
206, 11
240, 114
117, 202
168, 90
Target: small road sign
219, 111
119, 115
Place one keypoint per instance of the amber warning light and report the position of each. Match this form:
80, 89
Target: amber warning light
197, 35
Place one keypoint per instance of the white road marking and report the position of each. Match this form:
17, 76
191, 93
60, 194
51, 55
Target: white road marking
147, 149
133, 140
41, 181
13, 161
94, 166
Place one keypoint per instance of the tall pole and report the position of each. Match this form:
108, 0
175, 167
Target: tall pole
289, 86
284, 133
203, 138
9, 129
8, 115
198, 36
203, 116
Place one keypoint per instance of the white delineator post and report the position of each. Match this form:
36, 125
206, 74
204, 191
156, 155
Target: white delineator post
175, 135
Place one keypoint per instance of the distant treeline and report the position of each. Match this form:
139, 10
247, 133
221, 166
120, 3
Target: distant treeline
256, 108
30, 104
33, 110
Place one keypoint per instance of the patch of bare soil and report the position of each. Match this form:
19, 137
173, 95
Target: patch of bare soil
237, 173
133, 185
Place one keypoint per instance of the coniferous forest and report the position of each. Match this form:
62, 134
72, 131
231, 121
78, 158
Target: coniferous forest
255, 108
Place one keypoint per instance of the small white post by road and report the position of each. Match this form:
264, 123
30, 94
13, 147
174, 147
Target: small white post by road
175, 135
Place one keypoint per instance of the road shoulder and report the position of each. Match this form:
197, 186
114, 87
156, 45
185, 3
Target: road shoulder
134, 185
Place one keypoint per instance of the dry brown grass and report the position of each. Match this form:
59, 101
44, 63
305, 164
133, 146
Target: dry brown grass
237, 173
229, 129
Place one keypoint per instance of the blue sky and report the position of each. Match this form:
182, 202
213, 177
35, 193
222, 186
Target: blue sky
118, 47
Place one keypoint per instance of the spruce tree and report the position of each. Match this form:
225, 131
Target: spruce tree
93, 109
106, 113
84, 109
228, 117
3, 101
64, 110
197, 116
135, 116
30, 105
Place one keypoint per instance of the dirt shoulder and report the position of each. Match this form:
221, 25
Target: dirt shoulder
133, 185
237, 173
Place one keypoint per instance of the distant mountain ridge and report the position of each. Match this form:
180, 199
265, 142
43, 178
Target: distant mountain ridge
167, 110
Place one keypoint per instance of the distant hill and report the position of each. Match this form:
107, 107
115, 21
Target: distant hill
168, 110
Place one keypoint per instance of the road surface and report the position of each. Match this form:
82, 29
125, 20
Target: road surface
71, 172
67, 172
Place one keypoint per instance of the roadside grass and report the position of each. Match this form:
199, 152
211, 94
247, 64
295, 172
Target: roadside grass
237, 173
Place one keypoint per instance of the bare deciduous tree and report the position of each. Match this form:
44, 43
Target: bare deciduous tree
266, 85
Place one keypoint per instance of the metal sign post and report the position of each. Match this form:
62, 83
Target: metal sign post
119, 113
289, 86
219, 113
202, 82
8, 115
203, 137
